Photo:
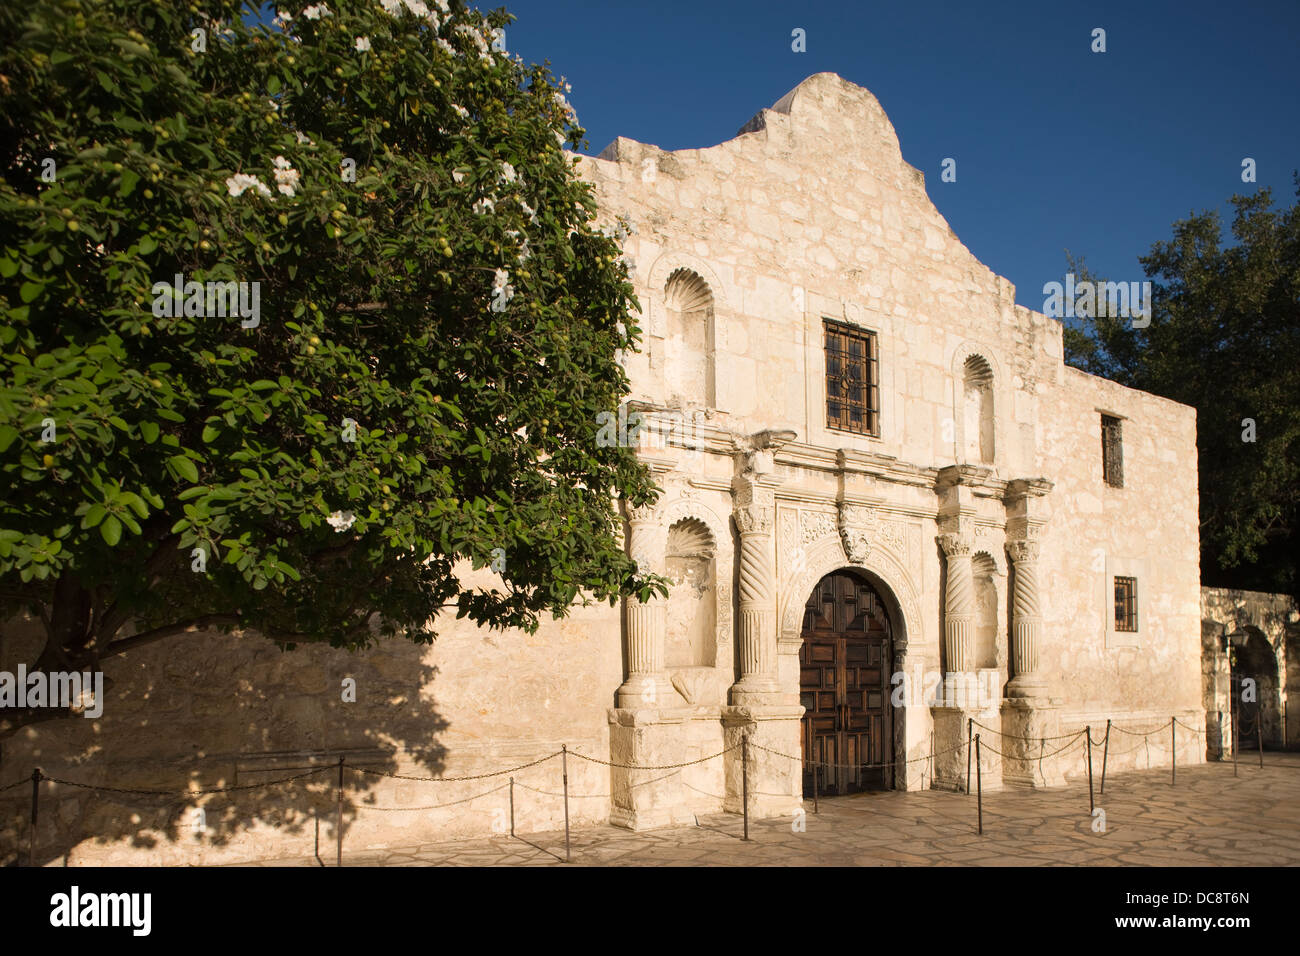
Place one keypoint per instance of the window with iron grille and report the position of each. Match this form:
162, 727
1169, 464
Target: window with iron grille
1112, 451
1126, 604
852, 380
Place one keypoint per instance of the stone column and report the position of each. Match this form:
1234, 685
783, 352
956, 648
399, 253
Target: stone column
1026, 621
959, 603
646, 622
755, 511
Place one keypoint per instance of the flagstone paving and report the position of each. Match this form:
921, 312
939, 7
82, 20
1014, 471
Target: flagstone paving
1207, 818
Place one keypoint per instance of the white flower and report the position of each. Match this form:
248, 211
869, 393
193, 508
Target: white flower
442, 6
418, 8
316, 11
445, 45
457, 175
286, 177
532, 213
301, 137
460, 111
391, 7
508, 172
524, 251
502, 291
283, 19
570, 113
239, 182
341, 520
363, 44
484, 205
467, 30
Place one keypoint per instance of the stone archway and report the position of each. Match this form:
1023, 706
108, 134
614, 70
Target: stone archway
1256, 690
886, 569
845, 664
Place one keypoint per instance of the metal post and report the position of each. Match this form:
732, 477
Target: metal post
36, 793
1259, 734
338, 827
979, 786
564, 763
1236, 741
969, 721
744, 779
1105, 753
817, 771
512, 806
1092, 805
1173, 751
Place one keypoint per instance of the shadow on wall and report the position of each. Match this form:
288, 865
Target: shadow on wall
207, 711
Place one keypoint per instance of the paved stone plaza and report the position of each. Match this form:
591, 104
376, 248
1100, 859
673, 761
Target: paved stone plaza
1207, 818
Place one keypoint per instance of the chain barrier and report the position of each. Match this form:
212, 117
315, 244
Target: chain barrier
1032, 758
861, 766
1015, 737
436, 806
476, 776
182, 793
666, 766
16, 783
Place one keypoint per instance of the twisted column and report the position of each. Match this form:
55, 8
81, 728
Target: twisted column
646, 622
754, 512
1026, 621
959, 603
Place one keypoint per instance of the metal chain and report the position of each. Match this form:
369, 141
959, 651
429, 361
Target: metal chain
436, 806
185, 793
571, 796
476, 776
17, 783
666, 766
861, 766
1015, 737
1033, 757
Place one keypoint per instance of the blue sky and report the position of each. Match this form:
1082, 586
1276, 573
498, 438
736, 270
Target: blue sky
1057, 147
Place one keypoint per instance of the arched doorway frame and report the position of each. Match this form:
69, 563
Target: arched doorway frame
887, 574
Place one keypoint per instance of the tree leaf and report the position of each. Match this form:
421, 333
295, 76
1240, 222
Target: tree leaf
111, 529
184, 467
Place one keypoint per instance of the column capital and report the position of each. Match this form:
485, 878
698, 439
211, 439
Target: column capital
1023, 550
956, 544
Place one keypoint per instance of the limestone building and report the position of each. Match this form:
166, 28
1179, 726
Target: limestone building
893, 516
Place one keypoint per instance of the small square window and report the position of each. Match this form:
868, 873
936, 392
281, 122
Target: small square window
1126, 604
1112, 451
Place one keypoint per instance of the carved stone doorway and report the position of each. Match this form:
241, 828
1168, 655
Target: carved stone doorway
847, 728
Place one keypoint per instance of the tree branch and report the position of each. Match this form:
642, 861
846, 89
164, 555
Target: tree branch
167, 630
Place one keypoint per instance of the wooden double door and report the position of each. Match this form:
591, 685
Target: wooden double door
844, 687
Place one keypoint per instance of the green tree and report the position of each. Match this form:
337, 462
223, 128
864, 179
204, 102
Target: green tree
1224, 337
437, 327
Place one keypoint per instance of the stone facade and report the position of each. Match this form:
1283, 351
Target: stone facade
978, 513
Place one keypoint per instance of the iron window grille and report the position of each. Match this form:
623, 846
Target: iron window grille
852, 380
1126, 604
1112, 451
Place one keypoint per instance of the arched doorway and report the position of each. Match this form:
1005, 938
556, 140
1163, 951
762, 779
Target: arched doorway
1255, 689
844, 661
